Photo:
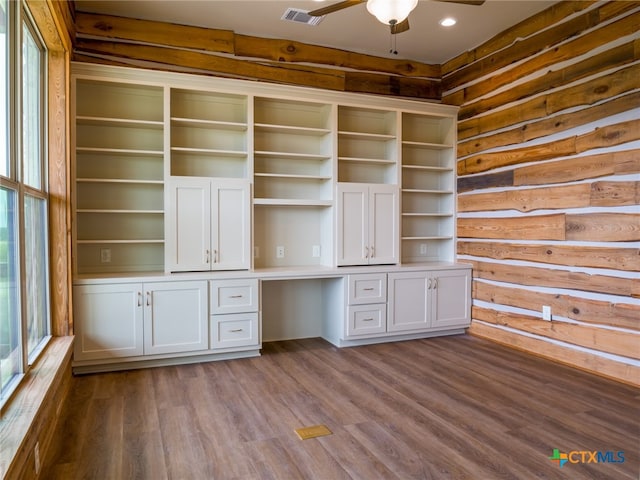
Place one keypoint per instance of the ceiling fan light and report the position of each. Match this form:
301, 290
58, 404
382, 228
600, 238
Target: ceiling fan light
391, 12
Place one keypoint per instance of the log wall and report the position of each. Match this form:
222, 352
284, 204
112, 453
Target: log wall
549, 184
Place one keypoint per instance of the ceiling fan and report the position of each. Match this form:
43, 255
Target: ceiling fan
394, 13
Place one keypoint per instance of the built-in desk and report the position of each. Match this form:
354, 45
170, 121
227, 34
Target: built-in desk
162, 319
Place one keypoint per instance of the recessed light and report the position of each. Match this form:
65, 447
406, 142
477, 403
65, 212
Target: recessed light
448, 22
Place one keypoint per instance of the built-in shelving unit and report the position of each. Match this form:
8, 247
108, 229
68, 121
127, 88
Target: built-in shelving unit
293, 181
428, 188
119, 189
328, 178
367, 145
209, 134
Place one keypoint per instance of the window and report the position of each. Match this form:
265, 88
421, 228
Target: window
24, 260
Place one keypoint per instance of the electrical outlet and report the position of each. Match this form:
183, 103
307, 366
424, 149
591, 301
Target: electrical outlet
423, 249
315, 251
36, 457
105, 255
279, 251
546, 313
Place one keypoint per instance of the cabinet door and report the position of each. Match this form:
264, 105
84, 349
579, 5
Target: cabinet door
409, 309
352, 231
189, 229
451, 293
383, 224
108, 321
230, 225
175, 317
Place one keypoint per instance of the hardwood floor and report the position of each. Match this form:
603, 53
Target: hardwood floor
443, 408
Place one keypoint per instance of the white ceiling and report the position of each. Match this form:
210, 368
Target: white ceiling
351, 29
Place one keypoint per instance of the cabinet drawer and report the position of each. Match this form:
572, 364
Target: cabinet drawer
366, 319
367, 288
235, 330
234, 296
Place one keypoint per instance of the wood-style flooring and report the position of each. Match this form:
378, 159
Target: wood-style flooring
443, 408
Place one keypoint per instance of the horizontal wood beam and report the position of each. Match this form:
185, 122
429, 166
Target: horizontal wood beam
555, 278
587, 93
591, 362
542, 127
538, 48
600, 312
533, 227
601, 339
615, 134
287, 61
562, 53
620, 258
615, 57
597, 194
550, 16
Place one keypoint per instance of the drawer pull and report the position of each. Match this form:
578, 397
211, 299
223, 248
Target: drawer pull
368, 289
235, 296
367, 319
236, 330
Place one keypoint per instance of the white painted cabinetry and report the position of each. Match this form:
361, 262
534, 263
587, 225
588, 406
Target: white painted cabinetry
209, 224
108, 321
175, 317
367, 232
367, 305
133, 319
235, 313
424, 300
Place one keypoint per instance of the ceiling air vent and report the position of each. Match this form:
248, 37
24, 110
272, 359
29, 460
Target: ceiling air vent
300, 16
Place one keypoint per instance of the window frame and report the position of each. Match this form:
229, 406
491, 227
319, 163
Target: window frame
19, 18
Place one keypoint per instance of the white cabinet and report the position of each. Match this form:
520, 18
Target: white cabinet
235, 319
108, 321
175, 317
367, 305
423, 300
367, 231
209, 225
133, 319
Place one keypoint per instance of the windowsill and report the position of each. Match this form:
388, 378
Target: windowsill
21, 412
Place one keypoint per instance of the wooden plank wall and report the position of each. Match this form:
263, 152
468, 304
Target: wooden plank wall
549, 184
167, 46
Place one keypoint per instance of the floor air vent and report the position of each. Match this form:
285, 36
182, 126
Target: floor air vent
300, 16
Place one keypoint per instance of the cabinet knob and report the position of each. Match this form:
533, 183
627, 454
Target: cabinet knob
139, 299
148, 299
429, 285
366, 252
372, 251
207, 256
215, 256
435, 283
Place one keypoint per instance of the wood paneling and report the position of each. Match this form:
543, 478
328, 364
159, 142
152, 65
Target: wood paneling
579, 45
564, 305
606, 340
138, 42
555, 278
618, 258
548, 184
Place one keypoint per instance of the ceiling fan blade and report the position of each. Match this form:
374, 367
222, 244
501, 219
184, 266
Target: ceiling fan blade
403, 26
334, 8
463, 2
